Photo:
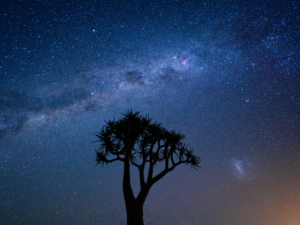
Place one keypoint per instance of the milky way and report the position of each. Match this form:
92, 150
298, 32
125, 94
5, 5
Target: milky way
225, 73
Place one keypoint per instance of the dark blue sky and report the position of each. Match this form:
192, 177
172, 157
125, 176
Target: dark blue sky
225, 73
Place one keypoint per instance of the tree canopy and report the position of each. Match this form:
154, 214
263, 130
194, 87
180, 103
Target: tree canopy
135, 136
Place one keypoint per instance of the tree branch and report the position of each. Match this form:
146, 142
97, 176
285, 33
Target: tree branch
142, 167
115, 159
133, 163
166, 157
101, 158
142, 177
150, 172
165, 171
158, 149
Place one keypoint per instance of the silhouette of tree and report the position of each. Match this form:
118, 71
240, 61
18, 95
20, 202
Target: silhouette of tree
134, 140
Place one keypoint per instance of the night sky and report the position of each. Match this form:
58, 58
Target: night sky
224, 73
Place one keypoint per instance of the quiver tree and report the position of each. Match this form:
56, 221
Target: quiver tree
134, 140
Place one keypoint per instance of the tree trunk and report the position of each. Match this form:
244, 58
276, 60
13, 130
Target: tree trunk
134, 207
134, 214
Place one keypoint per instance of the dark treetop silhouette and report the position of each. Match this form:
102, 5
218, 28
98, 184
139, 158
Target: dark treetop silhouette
134, 140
